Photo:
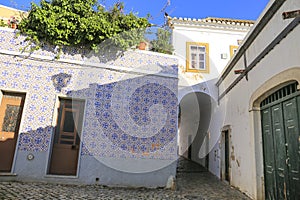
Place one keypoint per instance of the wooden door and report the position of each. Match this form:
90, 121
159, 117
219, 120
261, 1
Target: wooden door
225, 156
280, 155
292, 131
190, 143
10, 116
227, 159
281, 138
269, 160
65, 149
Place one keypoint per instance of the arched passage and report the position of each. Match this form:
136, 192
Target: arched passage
194, 121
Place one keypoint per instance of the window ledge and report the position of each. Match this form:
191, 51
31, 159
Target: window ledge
7, 174
197, 71
60, 176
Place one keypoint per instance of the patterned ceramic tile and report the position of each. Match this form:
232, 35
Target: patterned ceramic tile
127, 115
129, 59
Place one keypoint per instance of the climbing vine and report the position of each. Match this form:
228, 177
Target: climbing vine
82, 23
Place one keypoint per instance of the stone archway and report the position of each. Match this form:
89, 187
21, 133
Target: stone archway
194, 121
270, 86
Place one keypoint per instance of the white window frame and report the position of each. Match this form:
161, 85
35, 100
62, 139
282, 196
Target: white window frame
190, 61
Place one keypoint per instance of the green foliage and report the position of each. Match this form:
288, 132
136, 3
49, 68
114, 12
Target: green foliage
82, 23
2, 23
162, 43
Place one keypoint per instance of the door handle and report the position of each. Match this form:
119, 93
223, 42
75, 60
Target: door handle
287, 161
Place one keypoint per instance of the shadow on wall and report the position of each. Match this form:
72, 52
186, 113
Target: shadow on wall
196, 112
148, 103
111, 53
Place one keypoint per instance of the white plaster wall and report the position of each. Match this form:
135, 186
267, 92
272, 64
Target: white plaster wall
247, 161
189, 121
194, 123
219, 43
219, 40
219, 113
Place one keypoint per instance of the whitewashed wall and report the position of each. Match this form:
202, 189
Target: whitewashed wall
241, 115
196, 115
219, 40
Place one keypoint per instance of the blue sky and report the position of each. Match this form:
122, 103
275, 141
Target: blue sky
237, 9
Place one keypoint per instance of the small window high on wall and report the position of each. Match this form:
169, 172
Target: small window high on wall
233, 50
197, 57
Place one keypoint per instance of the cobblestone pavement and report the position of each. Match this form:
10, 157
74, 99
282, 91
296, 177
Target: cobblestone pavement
193, 182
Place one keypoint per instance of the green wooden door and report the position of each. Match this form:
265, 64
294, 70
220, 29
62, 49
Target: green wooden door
269, 160
291, 122
280, 115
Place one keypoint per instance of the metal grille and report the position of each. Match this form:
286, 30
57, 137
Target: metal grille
279, 94
11, 118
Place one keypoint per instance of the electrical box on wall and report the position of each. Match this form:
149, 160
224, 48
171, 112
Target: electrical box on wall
224, 56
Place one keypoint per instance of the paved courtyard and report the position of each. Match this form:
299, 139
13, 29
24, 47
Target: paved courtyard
193, 182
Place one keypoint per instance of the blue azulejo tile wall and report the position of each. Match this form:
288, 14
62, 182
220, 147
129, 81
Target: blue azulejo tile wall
130, 102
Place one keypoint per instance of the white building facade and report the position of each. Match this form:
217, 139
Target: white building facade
204, 47
247, 119
263, 105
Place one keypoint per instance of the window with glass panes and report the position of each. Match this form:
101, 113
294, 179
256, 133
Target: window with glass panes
197, 54
233, 50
